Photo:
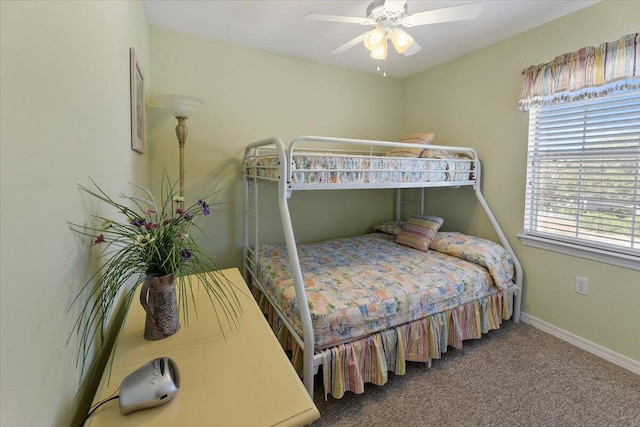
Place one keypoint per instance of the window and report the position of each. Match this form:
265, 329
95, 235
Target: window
583, 178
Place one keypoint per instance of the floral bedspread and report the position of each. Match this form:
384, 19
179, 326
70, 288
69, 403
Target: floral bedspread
360, 285
480, 251
339, 168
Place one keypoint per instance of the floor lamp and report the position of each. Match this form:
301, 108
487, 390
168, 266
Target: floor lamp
182, 107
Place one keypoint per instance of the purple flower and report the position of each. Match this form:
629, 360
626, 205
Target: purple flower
188, 216
186, 254
99, 239
179, 211
150, 226
204, 206
138, 222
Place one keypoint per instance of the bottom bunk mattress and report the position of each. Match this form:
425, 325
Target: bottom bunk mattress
361, 285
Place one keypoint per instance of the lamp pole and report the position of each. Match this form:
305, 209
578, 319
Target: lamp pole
181, 106
181, 132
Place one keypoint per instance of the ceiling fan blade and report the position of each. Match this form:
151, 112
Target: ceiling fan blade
339, 18
413, 49
395, 5
348, 45
447, 14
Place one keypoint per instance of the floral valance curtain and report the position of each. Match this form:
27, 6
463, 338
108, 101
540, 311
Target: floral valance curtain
589, 72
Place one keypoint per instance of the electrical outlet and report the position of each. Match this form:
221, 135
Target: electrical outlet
582, 285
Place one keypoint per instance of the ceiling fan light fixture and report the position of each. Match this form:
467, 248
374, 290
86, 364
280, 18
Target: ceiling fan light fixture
374, 39
386, 16
380, 53
401, 40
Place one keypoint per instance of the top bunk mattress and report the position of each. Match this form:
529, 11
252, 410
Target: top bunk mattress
332, 168
364, 284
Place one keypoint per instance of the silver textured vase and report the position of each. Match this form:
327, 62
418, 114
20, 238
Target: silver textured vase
159, 300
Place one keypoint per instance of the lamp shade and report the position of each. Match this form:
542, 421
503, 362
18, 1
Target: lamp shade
180, 105
374, 38
401, 40
380, 52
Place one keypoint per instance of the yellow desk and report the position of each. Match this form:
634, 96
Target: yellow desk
245, 380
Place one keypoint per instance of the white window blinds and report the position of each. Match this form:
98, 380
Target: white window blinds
583, 179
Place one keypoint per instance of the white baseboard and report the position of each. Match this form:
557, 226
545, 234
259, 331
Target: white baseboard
598, 350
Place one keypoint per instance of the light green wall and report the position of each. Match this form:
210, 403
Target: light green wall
473, 101
64, 117
250, 95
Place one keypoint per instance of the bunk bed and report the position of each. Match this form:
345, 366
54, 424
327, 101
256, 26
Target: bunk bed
362, 306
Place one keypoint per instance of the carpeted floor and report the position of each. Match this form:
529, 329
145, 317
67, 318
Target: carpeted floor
515, 376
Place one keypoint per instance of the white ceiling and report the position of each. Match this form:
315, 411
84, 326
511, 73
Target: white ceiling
279, 26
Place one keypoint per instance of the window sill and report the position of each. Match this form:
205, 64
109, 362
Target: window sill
620, 260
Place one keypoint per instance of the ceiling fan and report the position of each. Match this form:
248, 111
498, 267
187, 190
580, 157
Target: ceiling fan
387, 16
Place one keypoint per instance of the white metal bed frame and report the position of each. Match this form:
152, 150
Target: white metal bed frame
286, 185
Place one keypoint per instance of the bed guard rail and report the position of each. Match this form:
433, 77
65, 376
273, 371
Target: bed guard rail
264, 161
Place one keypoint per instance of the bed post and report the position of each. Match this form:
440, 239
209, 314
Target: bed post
503, 240
245, 223
296, 273
294, 262
246, 229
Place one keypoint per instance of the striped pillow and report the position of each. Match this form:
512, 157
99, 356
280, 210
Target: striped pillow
419, 231
412, 138
418, 138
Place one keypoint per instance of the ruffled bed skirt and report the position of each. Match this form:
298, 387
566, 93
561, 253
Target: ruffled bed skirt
347, 367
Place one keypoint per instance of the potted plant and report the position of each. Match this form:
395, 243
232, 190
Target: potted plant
149, 243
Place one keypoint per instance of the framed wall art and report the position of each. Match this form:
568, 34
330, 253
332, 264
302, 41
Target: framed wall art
138, 105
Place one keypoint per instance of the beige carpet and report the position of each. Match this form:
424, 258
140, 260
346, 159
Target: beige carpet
515, 376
